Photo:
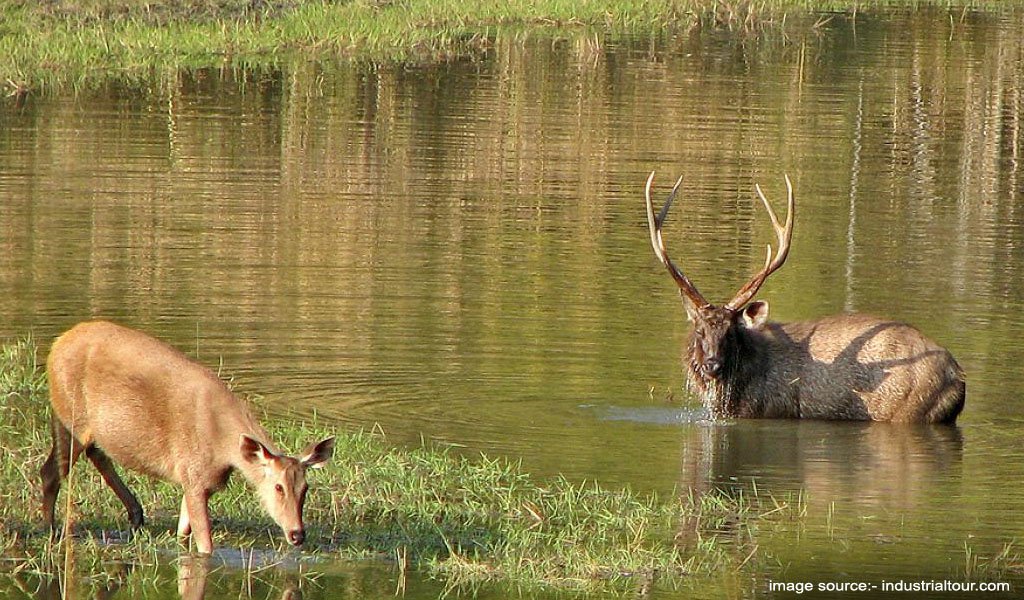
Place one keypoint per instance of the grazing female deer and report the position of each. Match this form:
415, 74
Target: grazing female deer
849, 366
123, 396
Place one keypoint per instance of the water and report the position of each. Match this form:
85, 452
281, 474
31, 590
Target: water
458, 253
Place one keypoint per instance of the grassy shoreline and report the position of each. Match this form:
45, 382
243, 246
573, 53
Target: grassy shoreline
76, 44
465, 520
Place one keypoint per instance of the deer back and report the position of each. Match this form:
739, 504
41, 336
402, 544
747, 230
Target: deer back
147, 405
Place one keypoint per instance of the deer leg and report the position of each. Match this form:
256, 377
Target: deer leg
106, 468
184, 527
51, 486
63, 454
199, 519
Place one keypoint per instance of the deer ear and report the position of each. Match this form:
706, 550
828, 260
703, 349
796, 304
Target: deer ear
755, 314
254, 451
317, 454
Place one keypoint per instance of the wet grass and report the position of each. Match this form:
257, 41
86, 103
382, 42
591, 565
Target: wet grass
998, 565
47, 46
467, 520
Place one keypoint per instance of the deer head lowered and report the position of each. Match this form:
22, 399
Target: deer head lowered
847, 366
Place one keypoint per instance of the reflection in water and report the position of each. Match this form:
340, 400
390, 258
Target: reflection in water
198, 578
873, 462
863, 480
194, 571
59, 587
192, 574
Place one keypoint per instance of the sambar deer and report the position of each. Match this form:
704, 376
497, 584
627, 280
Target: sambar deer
122, 396
844, 367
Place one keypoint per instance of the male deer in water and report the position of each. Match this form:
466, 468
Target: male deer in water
122, 396
848, 366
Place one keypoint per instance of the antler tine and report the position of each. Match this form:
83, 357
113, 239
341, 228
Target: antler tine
654, 223
783, 233
668, 203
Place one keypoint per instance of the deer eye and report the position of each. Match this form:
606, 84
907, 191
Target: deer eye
279, 488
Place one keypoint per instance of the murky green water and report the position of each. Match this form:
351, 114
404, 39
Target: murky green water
459, 253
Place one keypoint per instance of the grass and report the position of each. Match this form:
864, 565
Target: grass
466, 520
48, 46
980, 567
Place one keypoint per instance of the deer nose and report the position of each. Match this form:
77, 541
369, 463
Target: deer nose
296, 537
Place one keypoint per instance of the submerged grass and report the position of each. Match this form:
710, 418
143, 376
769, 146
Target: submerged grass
467, 520
76, 43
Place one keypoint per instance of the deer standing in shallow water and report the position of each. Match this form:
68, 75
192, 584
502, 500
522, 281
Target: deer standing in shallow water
122, 396
848, 366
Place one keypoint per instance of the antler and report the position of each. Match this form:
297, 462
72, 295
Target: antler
784, 233
687, 289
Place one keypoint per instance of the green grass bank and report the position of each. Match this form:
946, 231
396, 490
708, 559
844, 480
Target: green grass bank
466, 520
75, 44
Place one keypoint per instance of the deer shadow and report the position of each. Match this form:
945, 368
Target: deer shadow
881, 369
